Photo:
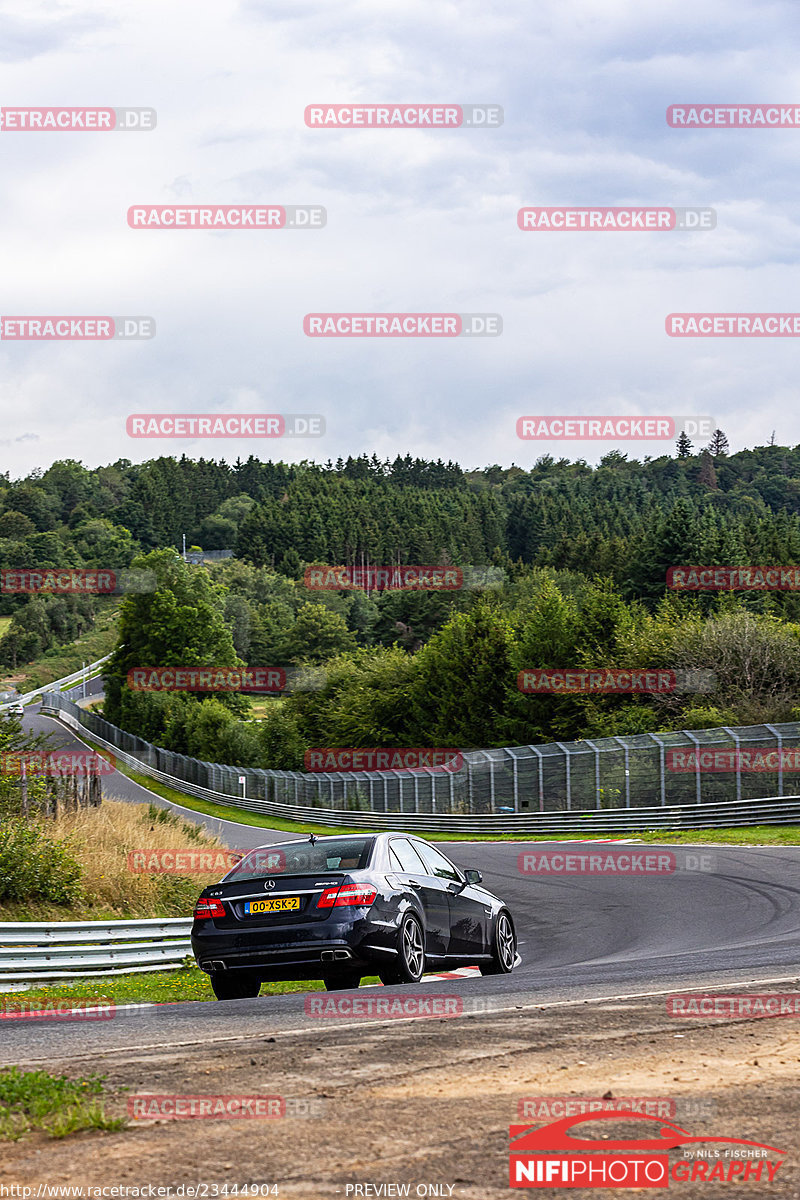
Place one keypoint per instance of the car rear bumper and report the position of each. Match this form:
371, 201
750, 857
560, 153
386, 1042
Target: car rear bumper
313, 953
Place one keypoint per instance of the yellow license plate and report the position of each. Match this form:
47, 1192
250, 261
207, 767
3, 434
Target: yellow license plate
276, 904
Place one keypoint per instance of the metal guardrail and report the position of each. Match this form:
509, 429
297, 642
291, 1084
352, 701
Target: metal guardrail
76, 677
35, 951
549, 788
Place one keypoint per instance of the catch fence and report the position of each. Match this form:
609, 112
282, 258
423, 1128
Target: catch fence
604, 775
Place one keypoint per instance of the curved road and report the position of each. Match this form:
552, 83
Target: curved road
731, 919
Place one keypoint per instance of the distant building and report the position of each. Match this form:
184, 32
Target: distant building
198, 557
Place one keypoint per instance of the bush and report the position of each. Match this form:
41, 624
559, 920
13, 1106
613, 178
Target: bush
36, 867
708, 717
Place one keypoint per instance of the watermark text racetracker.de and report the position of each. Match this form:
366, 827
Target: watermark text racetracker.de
734, 1006
742, 325
212, 425
408, 577
621, 220
227, 216
216, 861
76, 329
372, 1004
551, 1108
719, 760
174, 1107
591, 859
206, 679
734, 116
91, 1008
403, 116
57, 763
77, 581
415, 325
611, 428
733, 579
612, 680
63, 120
432, 759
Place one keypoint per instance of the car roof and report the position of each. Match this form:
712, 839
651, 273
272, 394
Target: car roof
328, 837
338, 837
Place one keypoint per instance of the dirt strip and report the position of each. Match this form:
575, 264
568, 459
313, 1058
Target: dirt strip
428, 1103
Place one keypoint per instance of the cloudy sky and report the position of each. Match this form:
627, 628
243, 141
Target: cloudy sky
417, 221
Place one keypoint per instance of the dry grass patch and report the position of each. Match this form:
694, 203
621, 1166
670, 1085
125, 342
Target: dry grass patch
101, 840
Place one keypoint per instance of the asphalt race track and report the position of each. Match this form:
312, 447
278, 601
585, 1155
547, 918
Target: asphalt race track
730, 919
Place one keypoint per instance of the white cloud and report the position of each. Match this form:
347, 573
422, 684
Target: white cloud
417, 221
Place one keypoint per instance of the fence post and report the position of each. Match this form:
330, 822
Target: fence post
692, 738
596, 771
661, 767
538, 754
432, 777
736, 740
565, 752
515, 776
626, 749
779, 736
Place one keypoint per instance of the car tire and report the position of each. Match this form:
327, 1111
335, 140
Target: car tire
341, 983
410, 965
504, 946
234, 985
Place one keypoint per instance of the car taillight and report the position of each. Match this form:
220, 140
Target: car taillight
205, 910
348, 895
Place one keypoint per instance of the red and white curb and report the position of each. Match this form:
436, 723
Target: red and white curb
460, 973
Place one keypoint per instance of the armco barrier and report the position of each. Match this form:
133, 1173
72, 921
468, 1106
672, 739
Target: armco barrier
718, 812
34, 951
76, 677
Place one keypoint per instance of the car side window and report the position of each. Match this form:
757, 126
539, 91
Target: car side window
406, 856
436, 863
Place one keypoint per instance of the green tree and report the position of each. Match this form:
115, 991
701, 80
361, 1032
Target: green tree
16, 525
463, 680
180, 623
683, 445
317, 635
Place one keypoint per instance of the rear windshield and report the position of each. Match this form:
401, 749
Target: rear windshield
296, 858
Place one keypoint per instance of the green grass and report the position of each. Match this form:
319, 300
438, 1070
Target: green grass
59, 1106
261, 705
157, 987
65, 660
749, 835
765, 835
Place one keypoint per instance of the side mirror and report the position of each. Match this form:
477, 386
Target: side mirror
473, 877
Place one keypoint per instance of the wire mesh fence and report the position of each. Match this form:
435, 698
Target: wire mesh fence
607, 774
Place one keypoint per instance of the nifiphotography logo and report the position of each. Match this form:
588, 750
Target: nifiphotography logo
554, 1156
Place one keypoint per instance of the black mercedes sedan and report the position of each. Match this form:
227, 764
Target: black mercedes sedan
339, 908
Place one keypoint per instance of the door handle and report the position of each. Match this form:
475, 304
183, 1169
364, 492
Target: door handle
415, 883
